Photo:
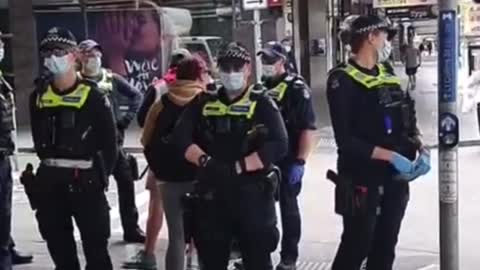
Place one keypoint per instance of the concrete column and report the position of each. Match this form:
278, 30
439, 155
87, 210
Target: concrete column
319, 31
24, 54
301, 34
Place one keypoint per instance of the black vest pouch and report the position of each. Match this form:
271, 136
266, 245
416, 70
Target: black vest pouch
67, 119
222, 125
68, 134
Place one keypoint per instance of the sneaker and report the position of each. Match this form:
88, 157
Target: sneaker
141, 261
287, 265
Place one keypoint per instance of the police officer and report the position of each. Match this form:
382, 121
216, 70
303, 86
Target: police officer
6, 150
74, 137
125, 100
378, 144
234, 138
6, 93
293, 97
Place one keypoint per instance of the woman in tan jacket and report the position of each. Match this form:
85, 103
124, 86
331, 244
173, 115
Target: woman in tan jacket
192, 78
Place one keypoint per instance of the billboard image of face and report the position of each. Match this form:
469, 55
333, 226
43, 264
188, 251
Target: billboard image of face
136, 43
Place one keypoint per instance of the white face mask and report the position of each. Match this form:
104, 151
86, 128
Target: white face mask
93, 66
384, 53
268, 71
2, 53
233, 82
57, 65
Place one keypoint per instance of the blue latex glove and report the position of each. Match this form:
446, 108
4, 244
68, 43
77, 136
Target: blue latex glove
295, 173
402, 164
423, 162
408, 177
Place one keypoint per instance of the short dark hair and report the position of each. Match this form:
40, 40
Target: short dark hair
358, 39
191, 68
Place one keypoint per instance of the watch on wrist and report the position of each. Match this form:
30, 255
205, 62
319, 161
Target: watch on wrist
203, 160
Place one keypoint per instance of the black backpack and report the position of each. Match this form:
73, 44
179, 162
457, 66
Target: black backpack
161, 154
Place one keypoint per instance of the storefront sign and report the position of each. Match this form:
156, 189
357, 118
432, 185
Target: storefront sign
402, 3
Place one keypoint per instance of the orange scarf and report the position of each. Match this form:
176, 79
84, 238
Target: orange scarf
180, 93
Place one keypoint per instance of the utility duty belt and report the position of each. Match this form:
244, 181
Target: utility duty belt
68, 163
354, 200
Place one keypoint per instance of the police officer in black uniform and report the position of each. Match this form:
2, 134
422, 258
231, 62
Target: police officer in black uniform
7, 98
74, 137
379, 149
234, 138
125, 100
6, 150
293, 97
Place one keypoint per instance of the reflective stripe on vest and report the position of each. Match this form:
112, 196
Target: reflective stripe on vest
370, 81
243, 107
278, 92
76, 99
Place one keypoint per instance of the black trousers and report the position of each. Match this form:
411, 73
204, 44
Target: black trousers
374, 236
65, 194
247, 215
5, 213
126, 192
291, 219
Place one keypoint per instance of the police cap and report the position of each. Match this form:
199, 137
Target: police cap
233, 55
88, 45
58, 37
368, 24
273, 51
357, 26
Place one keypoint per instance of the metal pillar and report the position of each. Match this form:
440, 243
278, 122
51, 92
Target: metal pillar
448, 134
257, 39
83, 7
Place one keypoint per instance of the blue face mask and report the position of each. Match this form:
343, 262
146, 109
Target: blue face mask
233, 82
57, 65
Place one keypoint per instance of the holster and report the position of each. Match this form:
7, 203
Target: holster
27, 179
133, 164
272, 182
99, 165
350, 199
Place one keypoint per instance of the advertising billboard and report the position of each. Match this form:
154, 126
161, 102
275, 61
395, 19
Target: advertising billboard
136, 43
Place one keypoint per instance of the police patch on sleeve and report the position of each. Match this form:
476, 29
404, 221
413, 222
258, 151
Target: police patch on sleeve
334, 84
300, 85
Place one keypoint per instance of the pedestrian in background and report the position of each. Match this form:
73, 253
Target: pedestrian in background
413, 60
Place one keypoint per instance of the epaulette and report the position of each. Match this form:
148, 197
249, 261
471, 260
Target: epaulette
339, 67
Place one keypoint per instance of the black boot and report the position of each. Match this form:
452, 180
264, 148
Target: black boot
134, 236
19, 258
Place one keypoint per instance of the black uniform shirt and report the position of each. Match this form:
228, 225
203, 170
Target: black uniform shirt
125, 95
296, 108
227, 147
355, 125
95, 119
